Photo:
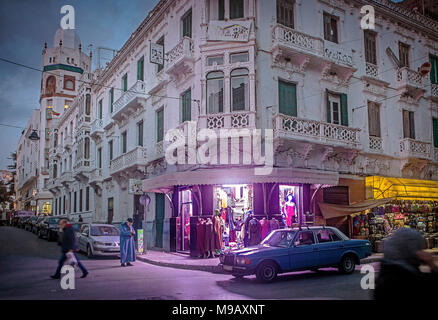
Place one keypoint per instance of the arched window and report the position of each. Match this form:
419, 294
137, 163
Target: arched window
50, 85
88, 104
215, 92
87, 148
239, 90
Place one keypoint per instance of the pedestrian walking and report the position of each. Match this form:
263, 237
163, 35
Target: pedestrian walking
80, 219
400, 277
127, 248
68, 244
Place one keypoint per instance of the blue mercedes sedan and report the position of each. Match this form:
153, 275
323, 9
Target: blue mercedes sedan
296, 249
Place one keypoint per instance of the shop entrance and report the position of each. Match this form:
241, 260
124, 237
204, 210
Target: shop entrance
291, 204
183, 220
159, 219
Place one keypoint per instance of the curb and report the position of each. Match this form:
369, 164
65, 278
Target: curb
212, 269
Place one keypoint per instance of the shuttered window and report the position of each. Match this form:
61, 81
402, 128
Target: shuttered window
186, 106
236, 9
374, 119
100, 111
337, 108
403, 54
124, 142
187, 24
370, 47
287, 98
285, 12
408, 124
435, 132
111, 150
125, 82
111, 99
434, 70
330, 27
160, 125
161, 42
221, 10
140, 69
140, 127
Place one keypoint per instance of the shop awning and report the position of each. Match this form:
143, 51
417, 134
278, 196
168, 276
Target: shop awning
335, 210
165, 183
399, 188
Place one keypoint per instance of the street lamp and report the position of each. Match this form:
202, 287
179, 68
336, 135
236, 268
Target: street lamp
34, 136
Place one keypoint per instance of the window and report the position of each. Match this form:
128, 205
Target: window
435, 132
87, 199
100, 111
87, 104
305, 238
330, 27
374, 119
80, 200
69, 83
408, 124
370, 47
287, 98
219, 60
124, 141
140, 126
125, 82
111, 99
221, 10
326, 235
187, 24
239, 57
75, 202
434, 69
50, 86
160, 125
111, 150
337, 108
87, 148
215, 92
236, 9
285, 12
161, 42
403, 54
99, 158
186, 106
140, 69
239, 90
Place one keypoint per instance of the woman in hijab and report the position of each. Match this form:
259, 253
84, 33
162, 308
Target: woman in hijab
400, 276
127, 248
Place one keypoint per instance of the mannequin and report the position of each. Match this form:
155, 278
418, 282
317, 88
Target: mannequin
289, 210
209, 238
264, 226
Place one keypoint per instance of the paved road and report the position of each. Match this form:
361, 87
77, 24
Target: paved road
26, 263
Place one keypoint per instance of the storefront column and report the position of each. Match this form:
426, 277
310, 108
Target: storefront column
273, 198
207, 200
258, 204
173, 232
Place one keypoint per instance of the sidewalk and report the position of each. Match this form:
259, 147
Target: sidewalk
184, 261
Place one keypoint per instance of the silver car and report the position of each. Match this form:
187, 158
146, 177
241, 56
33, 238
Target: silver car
99, 240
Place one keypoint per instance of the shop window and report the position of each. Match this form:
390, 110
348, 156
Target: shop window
186, 106
330, 27
403, 54
160, 125
374, 119
287, 98
239, 57
290, 204
434, 69
186, 22
370, 47
218, 60
239, 90
215, 92
183, 221
236, 9
337, 108
69, 83
408, 124
285, 13
140, 69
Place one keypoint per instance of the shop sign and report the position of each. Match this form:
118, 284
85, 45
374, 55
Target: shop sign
135, 186
140, 241
157, 54
229, 31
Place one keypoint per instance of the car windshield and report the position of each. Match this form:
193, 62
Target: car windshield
279, 239
53, 220
104, 231
76, 226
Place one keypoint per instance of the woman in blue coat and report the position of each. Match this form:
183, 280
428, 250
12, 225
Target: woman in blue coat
127, 248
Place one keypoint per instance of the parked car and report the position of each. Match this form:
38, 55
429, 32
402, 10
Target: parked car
36, 224
99, 240
48, 228
287, 250
29, 223
22, 221
76, 226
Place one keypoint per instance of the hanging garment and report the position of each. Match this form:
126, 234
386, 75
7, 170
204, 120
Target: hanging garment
264, 227
218, 230
230, 219
200, 236
254, 232
209, 236
274, 224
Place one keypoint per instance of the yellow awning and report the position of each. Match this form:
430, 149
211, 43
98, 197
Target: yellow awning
400, 188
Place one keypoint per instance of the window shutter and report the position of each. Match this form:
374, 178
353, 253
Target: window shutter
344, 110
287, 98
434, 69
186, 106
329, 111
435, 132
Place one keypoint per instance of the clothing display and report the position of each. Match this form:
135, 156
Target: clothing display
254, 232
218, 230
265, 227
200, 236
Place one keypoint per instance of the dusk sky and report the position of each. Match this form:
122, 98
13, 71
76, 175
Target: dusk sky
24, 27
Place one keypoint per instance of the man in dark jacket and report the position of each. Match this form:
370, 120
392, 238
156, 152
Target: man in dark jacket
400, 277
68, 244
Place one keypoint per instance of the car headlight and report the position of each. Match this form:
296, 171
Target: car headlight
98, 243
242, 260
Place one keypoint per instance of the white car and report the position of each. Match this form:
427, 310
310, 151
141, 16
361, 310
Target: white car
99, 240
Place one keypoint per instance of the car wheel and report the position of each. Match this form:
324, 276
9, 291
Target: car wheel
266, 271
347, 264
89, 252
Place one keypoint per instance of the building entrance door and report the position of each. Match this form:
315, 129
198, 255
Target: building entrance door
159, 219
183, 220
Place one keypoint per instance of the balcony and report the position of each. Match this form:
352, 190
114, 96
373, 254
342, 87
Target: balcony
129, 162
410, 148
96, 176
81, 169
434, 91
97, 129
435, 154
288, 127
66, 178
376, 144
54, 184
130, 101
235, 120
181, 58
68, 143
372, 71
410, 81
305, 50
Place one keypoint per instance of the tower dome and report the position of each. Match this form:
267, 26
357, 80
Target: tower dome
69, 37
